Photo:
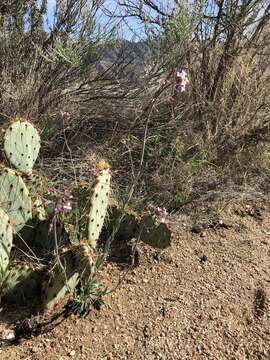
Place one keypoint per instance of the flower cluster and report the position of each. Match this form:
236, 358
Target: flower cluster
181, 81
65, 115
63, 204
158, 213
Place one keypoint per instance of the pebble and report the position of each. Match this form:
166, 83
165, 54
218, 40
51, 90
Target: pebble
10, 335
72, 353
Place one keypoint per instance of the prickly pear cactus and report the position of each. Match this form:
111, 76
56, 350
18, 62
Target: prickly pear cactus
44, 238
98, 206
5, 242
15, 199
22, 285
129, 226
21, 145
155, 235
59, 282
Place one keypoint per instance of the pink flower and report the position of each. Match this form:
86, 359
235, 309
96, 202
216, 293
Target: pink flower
67, 207
180, 88
159, 214
181, 74
181, 79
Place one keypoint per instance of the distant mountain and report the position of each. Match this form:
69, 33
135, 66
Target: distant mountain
131, 56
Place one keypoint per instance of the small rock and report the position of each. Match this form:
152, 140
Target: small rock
196, 228
34, 350
72, 353
203, 259
9, 335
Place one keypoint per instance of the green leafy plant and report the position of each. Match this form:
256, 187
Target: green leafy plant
88, 295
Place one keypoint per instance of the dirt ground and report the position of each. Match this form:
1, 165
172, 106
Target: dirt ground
207, 297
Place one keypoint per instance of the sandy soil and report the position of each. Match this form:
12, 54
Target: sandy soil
207, 297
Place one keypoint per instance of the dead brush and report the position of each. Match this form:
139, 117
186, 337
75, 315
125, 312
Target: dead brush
237, 119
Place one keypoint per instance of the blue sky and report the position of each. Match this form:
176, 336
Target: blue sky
127, 29
51, 3
51, 6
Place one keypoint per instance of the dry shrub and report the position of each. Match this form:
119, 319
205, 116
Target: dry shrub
87, 106
237, 119
226, 136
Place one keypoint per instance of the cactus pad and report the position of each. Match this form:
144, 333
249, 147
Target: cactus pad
22, 285
22, 144
99, 204
127, 229
156, 235
15, 199
44, 239
5, 241
58, 283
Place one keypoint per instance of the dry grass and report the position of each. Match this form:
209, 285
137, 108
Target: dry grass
85, 114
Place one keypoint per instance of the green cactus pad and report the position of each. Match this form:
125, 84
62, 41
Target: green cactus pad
58, 283
156, 235
38, 236
44, 239
98, 207
21, 145
15, 199
127, 229
5, 241
22, 285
